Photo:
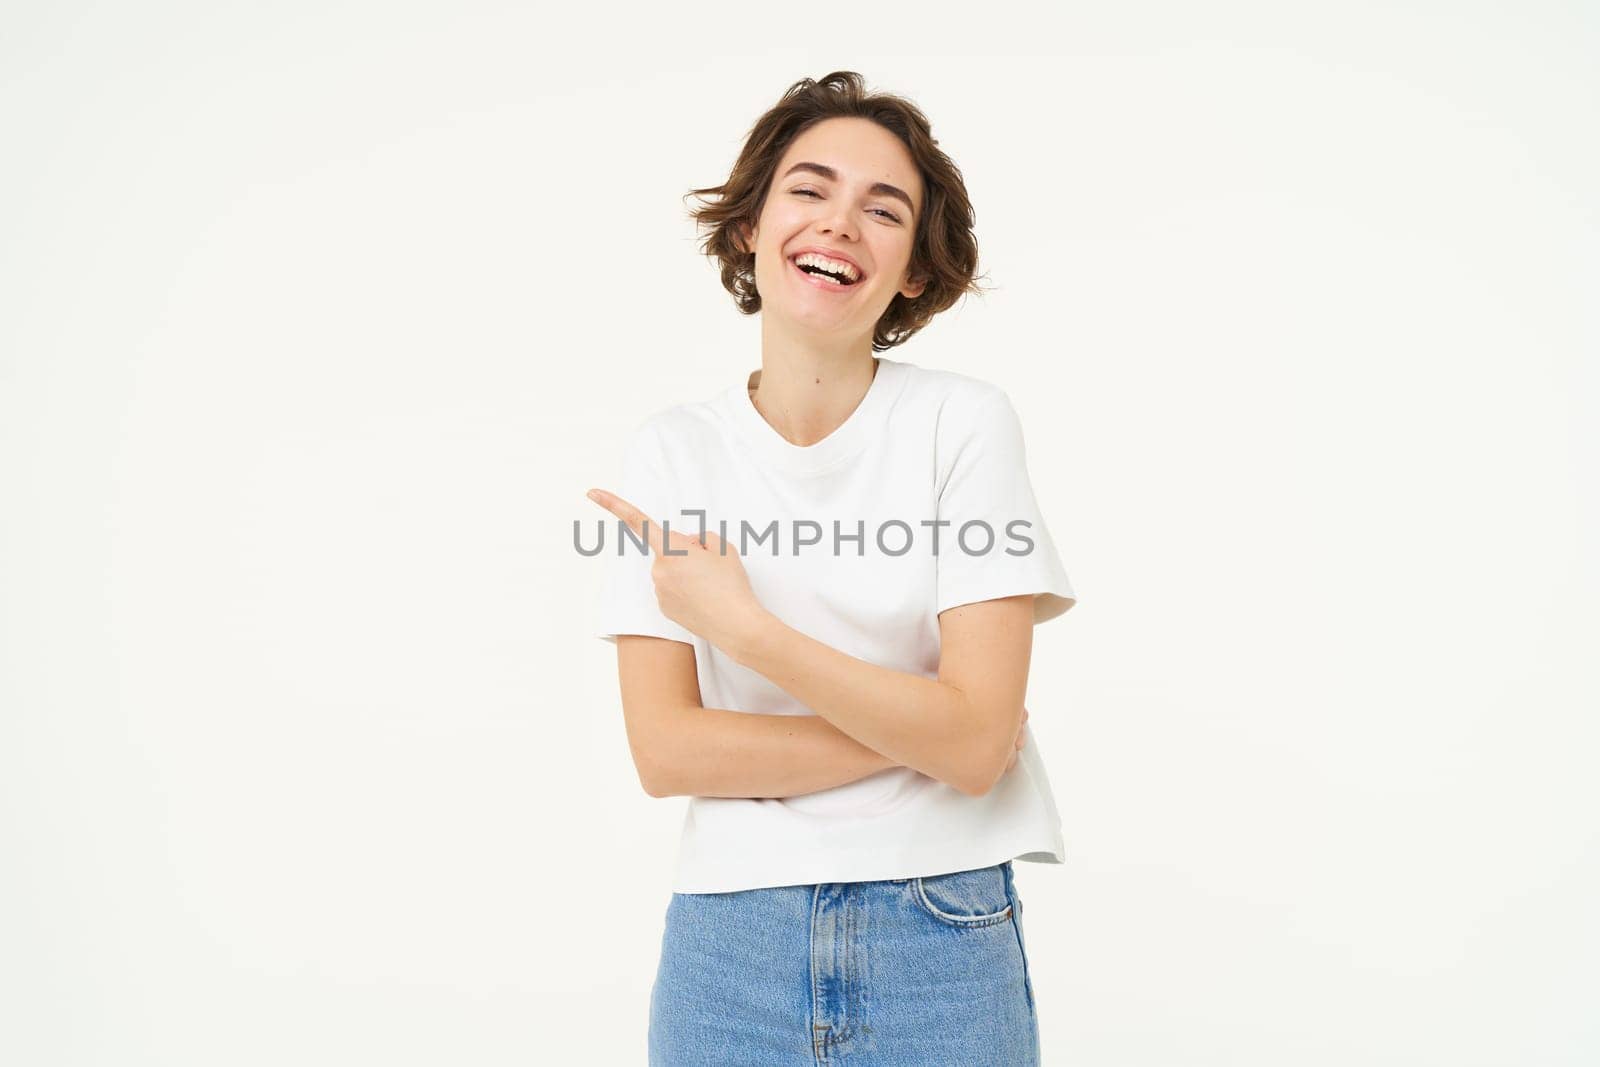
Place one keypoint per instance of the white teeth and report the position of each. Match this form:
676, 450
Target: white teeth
814, 259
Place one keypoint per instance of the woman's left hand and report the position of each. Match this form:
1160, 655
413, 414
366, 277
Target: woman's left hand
705, 589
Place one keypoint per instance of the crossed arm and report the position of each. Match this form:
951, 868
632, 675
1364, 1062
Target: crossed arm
962, 728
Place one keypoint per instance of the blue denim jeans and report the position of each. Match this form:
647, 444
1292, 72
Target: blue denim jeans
905, 971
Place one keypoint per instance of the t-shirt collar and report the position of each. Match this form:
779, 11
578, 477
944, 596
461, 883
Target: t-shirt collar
848, 439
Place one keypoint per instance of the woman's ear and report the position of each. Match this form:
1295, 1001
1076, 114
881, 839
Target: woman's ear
744, 237
913, 287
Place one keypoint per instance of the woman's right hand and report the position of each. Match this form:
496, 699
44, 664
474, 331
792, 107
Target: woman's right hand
1021, 728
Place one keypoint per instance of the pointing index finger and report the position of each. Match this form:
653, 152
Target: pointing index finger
640, 523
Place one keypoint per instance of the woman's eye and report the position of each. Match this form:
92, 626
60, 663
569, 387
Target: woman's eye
891, 216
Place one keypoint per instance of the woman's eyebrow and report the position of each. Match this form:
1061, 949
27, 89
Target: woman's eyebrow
878, 188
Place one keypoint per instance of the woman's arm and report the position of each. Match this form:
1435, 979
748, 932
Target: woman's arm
683, 749
959, 728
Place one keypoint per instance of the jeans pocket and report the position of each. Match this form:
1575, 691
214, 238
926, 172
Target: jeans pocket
965, 898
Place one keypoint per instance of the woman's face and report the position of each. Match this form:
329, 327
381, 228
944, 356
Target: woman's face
841, 189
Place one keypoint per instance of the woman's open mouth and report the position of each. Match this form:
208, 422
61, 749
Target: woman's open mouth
824, 276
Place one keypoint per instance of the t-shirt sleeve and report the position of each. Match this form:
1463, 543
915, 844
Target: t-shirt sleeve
986, 480
627, 592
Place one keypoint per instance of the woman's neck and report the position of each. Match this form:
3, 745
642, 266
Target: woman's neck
805, 397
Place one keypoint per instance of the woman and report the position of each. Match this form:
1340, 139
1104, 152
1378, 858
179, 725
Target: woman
831, 662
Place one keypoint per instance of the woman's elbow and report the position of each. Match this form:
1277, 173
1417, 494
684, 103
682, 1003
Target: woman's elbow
654, 775
984, 770
654, 779
978, 784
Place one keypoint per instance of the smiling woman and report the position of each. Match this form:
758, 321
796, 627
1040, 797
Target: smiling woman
886, 188
848, 723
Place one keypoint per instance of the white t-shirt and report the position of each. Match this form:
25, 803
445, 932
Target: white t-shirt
923, 447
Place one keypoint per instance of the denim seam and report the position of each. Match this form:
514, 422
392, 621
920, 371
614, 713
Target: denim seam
1016, 926
817, 1045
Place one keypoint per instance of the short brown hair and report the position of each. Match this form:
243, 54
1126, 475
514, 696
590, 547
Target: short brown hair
944, 249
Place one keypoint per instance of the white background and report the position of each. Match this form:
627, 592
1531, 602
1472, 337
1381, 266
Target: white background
319, 319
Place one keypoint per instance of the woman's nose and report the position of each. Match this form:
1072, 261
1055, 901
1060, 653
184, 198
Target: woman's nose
838, 226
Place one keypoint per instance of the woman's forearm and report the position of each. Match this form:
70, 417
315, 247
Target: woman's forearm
914, 721
713, 752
